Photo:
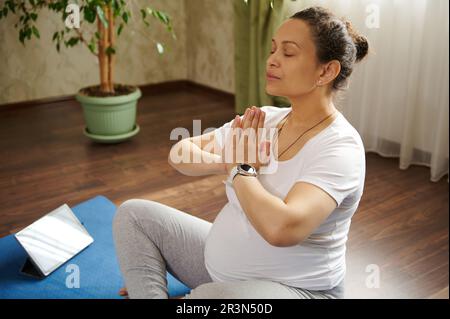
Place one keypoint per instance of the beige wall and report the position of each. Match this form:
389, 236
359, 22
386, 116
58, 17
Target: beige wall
203, 53
210, 43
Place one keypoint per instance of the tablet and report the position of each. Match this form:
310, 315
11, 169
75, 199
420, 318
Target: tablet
52, 240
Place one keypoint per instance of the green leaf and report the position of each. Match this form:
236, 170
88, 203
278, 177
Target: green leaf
143, 13
11, 6
110, 50
57, 47
97, 35
72, 41
55, 35
125, 17
89, 14
33, 16
119, 31
22, 36
101, 15
36, 32
163, 17
91, 47
29, 33
116, 8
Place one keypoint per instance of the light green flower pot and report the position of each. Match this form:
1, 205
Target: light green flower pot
110, 119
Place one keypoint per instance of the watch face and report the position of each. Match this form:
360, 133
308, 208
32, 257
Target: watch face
248, 168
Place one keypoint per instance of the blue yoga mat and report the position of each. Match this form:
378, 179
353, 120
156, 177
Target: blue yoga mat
99, 274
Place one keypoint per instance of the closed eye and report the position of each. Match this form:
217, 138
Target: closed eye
286, 55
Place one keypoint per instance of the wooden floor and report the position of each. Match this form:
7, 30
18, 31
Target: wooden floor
400, 229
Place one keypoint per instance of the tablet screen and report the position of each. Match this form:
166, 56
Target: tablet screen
53, 239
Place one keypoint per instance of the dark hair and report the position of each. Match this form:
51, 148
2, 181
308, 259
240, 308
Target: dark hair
335, 39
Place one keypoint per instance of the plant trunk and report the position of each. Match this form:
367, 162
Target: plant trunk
106, 61
112, 44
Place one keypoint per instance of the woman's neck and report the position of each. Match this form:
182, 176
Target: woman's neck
310, 109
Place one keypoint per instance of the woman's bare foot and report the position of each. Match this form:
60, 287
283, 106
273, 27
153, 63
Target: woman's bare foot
123, 292
177, 297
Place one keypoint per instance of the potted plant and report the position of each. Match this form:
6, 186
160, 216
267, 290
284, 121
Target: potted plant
109, 108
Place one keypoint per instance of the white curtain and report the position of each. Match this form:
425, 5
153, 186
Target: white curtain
398, 97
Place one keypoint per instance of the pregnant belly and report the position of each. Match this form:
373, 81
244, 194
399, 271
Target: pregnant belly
235, 251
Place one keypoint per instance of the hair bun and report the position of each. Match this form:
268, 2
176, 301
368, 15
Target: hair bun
360, 41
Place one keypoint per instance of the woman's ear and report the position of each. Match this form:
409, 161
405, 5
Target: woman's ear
330, 71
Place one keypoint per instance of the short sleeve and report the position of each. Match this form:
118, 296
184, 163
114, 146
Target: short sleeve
335, 167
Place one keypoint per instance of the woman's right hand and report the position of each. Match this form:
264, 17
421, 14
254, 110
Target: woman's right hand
241, 146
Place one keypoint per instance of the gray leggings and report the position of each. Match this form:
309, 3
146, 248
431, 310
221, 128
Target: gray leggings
150, 236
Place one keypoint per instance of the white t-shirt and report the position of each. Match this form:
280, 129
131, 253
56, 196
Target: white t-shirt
333, 160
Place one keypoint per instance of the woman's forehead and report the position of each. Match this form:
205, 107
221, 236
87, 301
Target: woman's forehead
293, 30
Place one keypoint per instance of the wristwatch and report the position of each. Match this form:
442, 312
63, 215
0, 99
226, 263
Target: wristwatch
242, 169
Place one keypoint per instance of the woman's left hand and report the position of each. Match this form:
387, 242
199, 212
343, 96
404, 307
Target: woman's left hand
245, 141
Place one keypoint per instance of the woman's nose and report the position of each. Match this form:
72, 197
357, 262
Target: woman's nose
272, 61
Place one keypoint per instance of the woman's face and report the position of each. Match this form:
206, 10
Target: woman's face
294, 62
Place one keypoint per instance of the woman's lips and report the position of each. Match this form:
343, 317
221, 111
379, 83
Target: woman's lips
271, 77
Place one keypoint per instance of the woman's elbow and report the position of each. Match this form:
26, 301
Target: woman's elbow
286, 236
284, 241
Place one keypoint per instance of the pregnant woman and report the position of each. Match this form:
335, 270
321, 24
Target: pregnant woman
283, 231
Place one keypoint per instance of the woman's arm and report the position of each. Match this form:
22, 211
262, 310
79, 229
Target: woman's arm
280, 223
265, 211
192, 157
283, 223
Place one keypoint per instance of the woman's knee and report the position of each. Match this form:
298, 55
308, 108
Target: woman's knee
136, 212
124, 210
131, 211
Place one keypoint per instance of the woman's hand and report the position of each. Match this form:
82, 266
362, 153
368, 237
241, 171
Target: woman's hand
245, 144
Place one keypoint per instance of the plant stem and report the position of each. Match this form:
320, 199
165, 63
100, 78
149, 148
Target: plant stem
112, 45
102, 59
82, 39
